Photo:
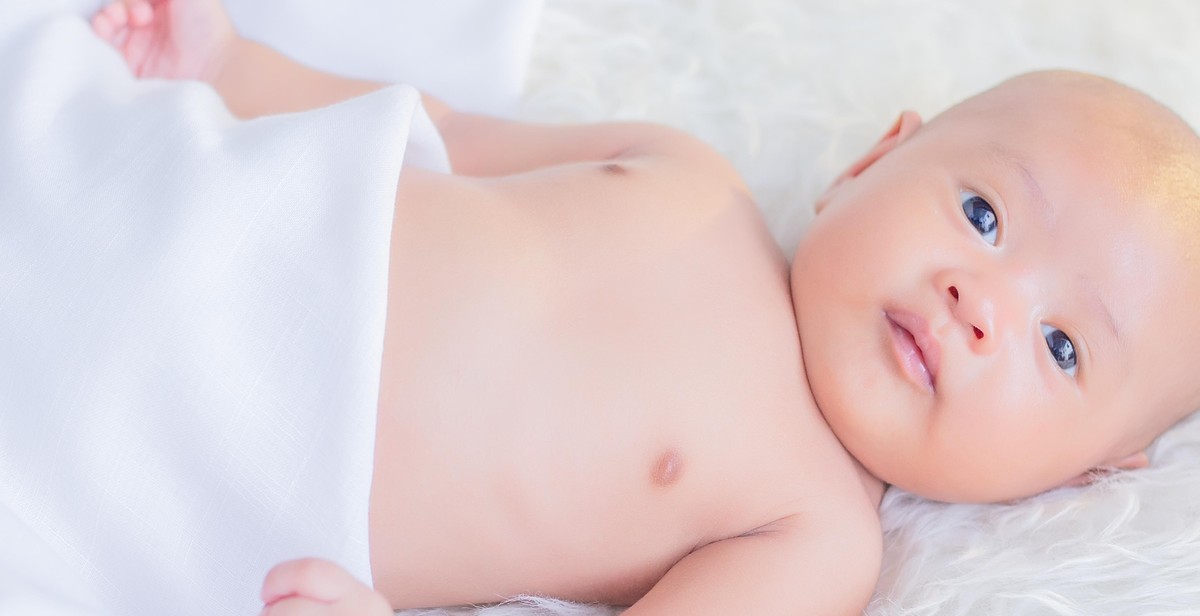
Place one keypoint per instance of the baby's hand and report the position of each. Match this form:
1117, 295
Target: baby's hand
310, 586
168, 39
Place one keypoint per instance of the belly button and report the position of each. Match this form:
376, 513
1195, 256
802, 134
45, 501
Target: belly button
667, 468
613, 169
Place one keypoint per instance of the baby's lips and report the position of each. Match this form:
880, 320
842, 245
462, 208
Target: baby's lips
918, 327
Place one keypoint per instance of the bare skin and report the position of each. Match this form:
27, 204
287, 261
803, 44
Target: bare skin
561, 346
593, 385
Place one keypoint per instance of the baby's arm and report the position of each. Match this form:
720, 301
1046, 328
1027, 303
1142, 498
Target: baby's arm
159, 39
194, 39
792, 567
257, 80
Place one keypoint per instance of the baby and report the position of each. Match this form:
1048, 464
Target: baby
601, 382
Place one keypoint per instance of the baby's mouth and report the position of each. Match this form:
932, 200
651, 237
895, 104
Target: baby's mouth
916, 350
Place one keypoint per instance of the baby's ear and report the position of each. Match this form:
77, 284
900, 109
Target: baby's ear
901, 130
1130, 462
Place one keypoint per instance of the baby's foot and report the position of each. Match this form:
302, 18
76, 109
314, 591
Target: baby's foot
168, 39
311, 586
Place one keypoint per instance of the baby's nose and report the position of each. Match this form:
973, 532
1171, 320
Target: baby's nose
979, 335
974, 306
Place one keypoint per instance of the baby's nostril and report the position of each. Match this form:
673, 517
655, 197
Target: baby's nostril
954, 292
978, 333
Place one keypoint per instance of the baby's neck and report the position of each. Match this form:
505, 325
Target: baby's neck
874, 486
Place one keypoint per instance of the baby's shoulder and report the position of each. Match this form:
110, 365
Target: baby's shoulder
822, 560
795, 478
842, 538
847, 549
827, 503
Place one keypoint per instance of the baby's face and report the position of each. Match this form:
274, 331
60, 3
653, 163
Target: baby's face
994, 306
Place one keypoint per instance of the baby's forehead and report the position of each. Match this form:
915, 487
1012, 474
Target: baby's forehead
1095, 129
1091, 107
1164, 348
1157, 298
1064, 89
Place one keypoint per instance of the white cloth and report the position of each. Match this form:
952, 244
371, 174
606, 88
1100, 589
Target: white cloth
34, 581
191, 321
473, 54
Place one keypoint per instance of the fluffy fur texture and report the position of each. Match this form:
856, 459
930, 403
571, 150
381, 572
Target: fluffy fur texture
792, 90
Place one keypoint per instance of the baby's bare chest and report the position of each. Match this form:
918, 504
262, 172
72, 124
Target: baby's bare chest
551, 480
567, 423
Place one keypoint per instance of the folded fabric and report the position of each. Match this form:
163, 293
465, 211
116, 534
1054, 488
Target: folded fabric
191, 321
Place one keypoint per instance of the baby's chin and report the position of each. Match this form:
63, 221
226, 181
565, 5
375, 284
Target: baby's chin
939, 478
946, 488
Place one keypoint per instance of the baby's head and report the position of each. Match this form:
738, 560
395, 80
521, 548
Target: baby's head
996, 302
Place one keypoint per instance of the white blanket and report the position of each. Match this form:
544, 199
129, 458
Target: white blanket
191, 324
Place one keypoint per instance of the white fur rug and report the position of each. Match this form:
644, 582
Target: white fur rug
791, 90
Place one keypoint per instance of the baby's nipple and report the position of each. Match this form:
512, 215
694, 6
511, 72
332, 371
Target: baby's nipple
667, 468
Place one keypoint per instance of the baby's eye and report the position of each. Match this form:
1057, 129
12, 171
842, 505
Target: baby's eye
1061, 348
980, 214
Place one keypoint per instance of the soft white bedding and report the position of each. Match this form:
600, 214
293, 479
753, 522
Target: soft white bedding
791, 90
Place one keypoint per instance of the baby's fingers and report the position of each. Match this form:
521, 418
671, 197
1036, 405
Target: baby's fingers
140, 12
314, 586
297, 606
369, 605
109, 21
311, 578
112, 20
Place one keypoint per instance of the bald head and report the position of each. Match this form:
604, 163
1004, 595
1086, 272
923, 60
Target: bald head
1101, 98
1148, 130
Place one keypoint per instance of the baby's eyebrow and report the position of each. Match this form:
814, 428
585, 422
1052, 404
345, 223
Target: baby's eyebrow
1029, 183
1101, 307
